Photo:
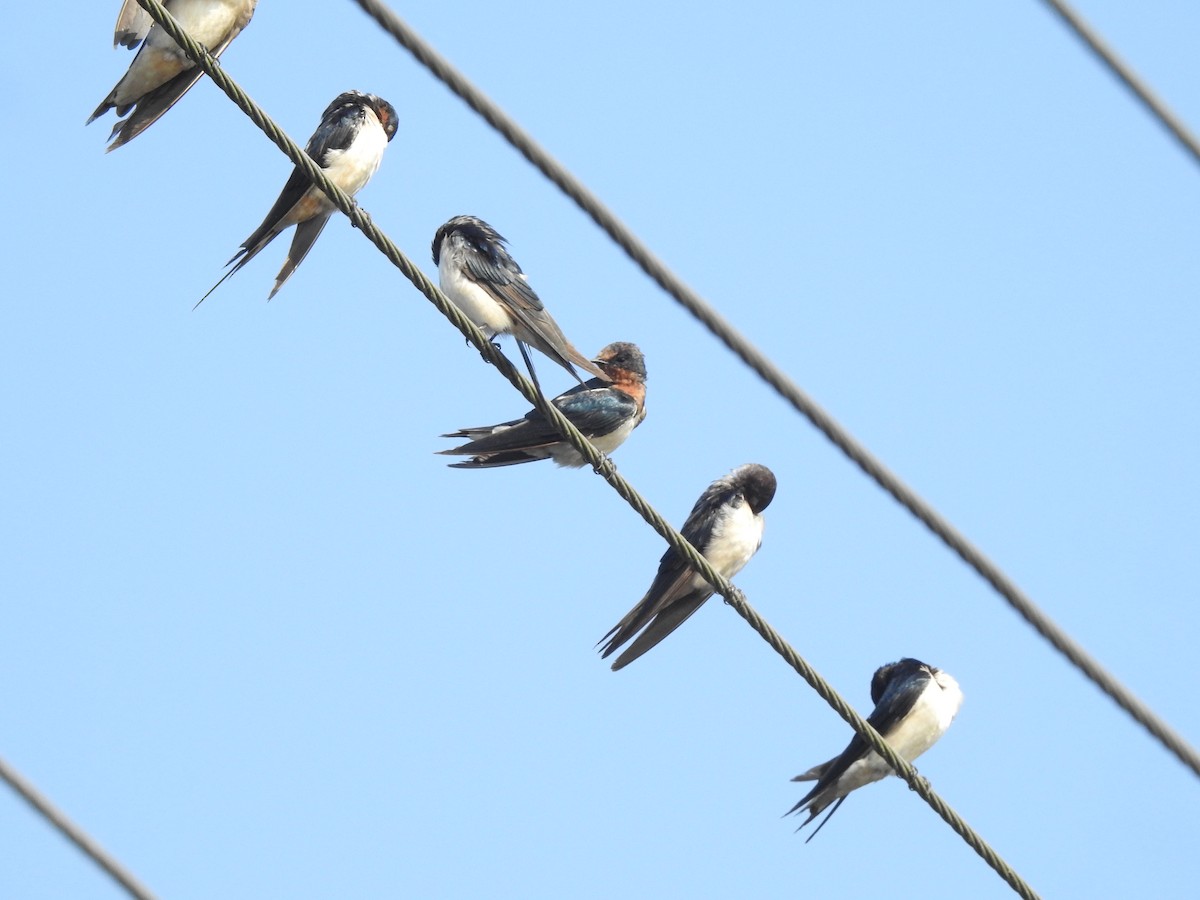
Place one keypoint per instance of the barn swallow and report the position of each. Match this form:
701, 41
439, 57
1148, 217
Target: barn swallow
161, 73
348, 144
605, 413
914, 705
479, 276
726, 526
133, 23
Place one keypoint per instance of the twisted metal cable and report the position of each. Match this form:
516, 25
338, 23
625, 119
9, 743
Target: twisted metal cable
783, 385
1127, 76
73, 832
600, 463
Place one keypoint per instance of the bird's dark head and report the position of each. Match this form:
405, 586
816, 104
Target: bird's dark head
902, 669
473, 230
385, 113
622, 356
348, 100
757, 484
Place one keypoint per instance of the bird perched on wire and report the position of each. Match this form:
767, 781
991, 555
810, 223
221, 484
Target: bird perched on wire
726, 526
914, 705
605, 412
133, 23
161, 72
355, 129
479, 276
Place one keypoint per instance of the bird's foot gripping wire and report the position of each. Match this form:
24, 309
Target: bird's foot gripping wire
483, 353
924, 782
605, 467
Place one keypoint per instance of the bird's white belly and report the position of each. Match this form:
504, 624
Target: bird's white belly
205, 21
869, 769
477, 304
735, 540
607, 443
916, 734
921, 728
352, 168
566, 455
919, 731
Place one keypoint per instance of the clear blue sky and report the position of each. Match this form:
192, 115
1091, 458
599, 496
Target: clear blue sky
260, 641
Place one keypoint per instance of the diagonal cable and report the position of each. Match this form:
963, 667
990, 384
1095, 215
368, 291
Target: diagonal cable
783, 385
600, 463
1108, 56
73, 832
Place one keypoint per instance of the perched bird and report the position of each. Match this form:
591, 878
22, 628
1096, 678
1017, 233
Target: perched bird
479, 276
161, 73
605, 413
726, 526
914, 705
133, 23
348, 144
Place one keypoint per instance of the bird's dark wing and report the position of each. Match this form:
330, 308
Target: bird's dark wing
593, 410
306, 235
133, 23
152, 105
675, 608
895, 702
500, 276
672, 588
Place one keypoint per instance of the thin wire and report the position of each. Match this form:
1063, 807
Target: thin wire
599, 462
1127, 76
777, 379
73, 832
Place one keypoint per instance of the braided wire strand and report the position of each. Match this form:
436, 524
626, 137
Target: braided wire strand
839, 436
73, 833
1123, 73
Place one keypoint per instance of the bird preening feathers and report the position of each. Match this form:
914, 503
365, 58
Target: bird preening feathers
480, 277
914, 705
